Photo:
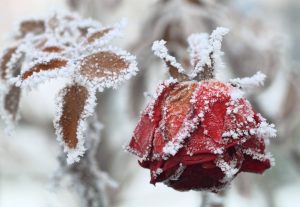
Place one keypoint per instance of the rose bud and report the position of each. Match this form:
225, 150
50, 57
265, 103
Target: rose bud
199, 133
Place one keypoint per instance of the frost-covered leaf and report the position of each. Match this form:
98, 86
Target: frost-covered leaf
4, 60
96, 35
52, 49
100, 36
42, 69
107, 67
75, 104
11, 102
35, 26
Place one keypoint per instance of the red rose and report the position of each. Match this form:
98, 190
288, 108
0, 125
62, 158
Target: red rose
200, 135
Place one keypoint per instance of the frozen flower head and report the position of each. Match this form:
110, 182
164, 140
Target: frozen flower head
199, 133
64, 45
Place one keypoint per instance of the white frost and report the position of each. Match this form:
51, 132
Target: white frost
160, 50
249, 82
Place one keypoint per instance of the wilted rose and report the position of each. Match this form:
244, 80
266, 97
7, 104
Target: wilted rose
200, 135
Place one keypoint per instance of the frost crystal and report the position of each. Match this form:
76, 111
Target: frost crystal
161, 51
266, 130
249, 82
205, 55
64, 45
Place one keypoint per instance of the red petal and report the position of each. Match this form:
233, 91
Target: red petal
196, 177
214, 121
255, 144
141, 143
211, 100
176, 108
255, 166
255, 158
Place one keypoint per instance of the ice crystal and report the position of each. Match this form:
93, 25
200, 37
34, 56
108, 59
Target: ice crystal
205, 55
64, 45
249, 82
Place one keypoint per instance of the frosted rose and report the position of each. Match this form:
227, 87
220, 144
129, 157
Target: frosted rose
200, 135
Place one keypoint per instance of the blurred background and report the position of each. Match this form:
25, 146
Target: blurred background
265, 35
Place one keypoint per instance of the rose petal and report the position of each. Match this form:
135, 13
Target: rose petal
254, 165
141, 143
195, 177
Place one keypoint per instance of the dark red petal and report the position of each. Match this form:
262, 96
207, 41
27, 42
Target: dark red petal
141, 143
255, 159
255, 166
169, 166
199, 143
214, 121
196, 177
211, 100
255, 144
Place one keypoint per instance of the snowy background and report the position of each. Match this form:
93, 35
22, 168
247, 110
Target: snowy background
264, 35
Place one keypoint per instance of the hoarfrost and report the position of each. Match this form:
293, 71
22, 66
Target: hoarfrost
249, 82
161, 51
266, 130
229, 169
57, 45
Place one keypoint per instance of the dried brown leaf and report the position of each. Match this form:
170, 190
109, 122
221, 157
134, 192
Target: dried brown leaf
102, 64
47, 66
176, 74
11, 101
73, 107
33, 26
52, 49
97, 35
207, 72
5, 59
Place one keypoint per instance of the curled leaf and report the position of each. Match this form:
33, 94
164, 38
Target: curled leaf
43, 66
